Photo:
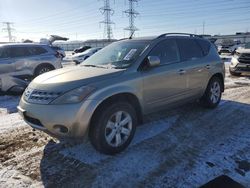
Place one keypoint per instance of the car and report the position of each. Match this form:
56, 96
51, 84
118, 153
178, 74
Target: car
229, 46
240, 62
106, 97
22, 61
81, 49
80, 57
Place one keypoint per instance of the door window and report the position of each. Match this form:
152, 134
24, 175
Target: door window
167, 51
19, 52
189, 49
4, 53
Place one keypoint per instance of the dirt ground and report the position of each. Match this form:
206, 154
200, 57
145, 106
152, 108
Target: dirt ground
183, 147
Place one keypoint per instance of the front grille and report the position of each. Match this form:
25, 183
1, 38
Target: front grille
244, 58
39, 96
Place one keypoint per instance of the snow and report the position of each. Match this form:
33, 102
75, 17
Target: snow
87, 154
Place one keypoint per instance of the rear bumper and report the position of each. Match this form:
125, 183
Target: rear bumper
61, 121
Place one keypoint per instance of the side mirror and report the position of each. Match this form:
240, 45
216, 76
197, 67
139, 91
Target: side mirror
153, 61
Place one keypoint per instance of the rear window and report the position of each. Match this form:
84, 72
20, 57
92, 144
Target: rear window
189, 49
37, 50
205, 46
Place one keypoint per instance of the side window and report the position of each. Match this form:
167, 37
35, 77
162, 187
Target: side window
205, 46
4, 53
167, 51
189, 49
37, 50
19, 52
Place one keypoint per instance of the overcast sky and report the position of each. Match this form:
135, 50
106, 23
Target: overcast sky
79, 19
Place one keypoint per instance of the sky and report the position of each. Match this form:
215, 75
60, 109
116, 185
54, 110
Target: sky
80, 19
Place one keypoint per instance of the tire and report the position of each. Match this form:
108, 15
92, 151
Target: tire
107, 134
234, 73
42, 69
86, 57
212, 95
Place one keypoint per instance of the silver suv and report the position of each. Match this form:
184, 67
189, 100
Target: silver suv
106, 97
27, 60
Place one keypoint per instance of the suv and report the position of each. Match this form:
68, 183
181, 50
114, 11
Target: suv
21, 61
106, 97
240, 62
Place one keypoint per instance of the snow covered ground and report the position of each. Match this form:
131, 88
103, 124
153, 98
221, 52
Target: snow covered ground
183, 147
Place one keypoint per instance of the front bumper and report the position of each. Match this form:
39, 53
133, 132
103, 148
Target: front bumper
240, 68
61, 121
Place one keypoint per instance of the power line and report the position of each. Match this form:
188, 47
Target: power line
9, 29
132, 14
107, 12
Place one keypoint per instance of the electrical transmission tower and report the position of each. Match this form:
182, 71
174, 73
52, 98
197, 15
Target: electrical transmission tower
132, 14
9, 29
107, 12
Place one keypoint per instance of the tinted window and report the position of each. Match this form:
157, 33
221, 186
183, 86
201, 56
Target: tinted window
167, 51
205, 46
4, 53
19, 51
37, 50
189, 49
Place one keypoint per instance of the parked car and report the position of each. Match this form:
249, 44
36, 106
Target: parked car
80, 57
228, 46
240, 62
25, 60
81, 49
107, 96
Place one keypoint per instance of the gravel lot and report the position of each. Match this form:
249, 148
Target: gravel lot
183, 147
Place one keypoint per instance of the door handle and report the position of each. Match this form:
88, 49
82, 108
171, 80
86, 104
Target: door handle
207, 66
181, 72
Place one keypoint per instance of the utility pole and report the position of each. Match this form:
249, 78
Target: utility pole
9, 29
203, 27
132, 14
107, 12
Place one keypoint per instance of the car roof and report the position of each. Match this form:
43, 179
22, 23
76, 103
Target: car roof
22, 44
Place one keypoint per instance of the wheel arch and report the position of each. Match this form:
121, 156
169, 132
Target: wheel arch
124, 96
221, 77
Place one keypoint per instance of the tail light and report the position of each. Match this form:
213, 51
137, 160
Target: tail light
58, 55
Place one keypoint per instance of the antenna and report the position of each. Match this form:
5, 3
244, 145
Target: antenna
132, 14
107, 12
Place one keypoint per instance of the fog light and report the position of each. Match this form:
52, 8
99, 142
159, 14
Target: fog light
61, 129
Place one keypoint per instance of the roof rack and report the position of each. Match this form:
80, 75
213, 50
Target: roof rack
185, 34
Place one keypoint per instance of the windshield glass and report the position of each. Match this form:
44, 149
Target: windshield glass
117, 55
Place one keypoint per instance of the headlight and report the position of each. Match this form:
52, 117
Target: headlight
234, 61
74, 96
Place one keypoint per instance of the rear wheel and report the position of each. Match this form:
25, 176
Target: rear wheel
212, 95
113, 128
43, 69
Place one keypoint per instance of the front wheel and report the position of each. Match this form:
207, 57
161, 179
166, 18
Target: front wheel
212, 95
113, 128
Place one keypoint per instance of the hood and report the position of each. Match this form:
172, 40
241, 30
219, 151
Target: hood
243, 50
66, 79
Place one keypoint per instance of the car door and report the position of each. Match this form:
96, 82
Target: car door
6, 64
166, 83
20, 57
197, 67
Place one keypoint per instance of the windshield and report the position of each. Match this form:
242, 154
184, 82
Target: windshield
117, 55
